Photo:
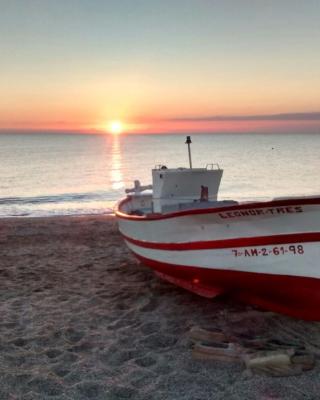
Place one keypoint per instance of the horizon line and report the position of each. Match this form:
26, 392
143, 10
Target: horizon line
102, 133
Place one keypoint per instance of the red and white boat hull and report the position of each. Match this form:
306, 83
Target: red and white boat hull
264, 253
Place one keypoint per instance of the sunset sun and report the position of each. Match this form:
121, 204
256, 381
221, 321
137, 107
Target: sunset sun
115, 127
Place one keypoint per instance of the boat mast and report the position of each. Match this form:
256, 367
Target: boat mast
188, 142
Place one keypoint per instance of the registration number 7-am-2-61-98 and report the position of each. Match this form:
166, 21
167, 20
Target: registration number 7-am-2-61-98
292, 249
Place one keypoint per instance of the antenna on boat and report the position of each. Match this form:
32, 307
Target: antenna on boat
188, 142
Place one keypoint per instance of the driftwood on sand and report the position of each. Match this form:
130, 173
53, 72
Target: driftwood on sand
258, 355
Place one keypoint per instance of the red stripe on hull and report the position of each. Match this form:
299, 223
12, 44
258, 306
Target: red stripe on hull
295, 296
230, 243
246, 206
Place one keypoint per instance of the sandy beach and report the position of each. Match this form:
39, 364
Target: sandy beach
81, 319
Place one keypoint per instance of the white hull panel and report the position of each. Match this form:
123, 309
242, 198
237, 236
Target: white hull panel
257, 259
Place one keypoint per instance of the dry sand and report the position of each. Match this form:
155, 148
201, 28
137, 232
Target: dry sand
80, 319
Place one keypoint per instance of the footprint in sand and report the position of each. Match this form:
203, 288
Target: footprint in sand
89, 390
53, 353
60, 370
20, 342
140, 378
122, 392
46, 386
150, 327
157, 340
84, 346
150, 305
73, 335
68, 357
146, 361
117, 358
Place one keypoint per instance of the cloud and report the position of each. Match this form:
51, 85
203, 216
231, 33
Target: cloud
311, 116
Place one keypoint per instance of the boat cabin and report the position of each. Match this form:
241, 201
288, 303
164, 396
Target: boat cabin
175, 189
176, 186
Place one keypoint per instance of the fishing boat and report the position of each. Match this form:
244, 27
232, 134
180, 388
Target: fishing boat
265, 253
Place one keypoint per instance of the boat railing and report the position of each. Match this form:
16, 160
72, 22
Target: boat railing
209, 166
213, 166
138, 188
160, 166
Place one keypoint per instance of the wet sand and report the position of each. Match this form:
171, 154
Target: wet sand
81, 319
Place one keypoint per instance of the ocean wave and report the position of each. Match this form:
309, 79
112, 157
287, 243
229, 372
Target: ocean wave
88, 203
57, 213
60, 198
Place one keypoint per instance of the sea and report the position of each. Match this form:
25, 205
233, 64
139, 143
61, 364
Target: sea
47, 174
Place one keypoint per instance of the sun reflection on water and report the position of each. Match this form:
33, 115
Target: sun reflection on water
116, 176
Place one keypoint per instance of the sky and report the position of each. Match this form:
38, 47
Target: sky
160, 66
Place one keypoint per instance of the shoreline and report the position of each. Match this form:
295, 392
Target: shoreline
81, 318
27, 216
